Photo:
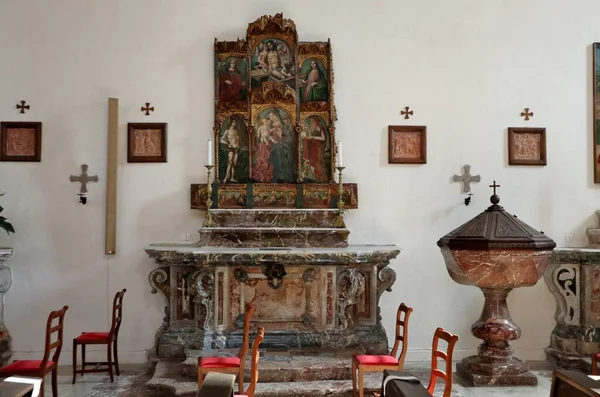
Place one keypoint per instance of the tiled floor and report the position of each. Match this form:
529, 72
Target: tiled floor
132, 379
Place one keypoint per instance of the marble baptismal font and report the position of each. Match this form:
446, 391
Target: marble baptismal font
274, 233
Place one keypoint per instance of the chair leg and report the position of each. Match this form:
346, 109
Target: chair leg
594, 364
361, 391
116, 355
55, 382
82, 358
109, 362
74, 359
200, 377
353, 378
241, 380
42, 387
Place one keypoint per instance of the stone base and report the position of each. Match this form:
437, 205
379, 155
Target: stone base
258, 237
477, 372
569, 361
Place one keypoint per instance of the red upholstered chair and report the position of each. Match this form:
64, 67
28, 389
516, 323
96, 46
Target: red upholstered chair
373, 363
595, 358
40, 368
260, 335
101, 338
451, 339
229, 365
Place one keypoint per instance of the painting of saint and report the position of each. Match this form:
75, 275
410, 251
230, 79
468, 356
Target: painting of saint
274, 158
232, 74
313, 81
407, 144
233, 150
20, 142
272, 59
316, 153
147, 142
527, 146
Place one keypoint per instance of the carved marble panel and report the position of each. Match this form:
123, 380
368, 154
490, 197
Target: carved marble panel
563, 281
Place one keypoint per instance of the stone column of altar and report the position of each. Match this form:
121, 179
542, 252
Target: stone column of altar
5, 282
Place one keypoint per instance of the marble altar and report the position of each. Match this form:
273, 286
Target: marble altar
573, 277
5, 282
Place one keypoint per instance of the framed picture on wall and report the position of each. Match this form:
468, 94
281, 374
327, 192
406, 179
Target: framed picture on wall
596, 112
407, 144
526, 146
20, 141
147, 142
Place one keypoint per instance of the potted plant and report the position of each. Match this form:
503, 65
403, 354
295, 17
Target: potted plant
4, 224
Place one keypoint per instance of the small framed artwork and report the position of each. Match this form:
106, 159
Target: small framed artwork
20, 141
407, 144
147, 142
526, 146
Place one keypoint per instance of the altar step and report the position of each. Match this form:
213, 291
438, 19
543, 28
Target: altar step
169, 382
293, 365
288, 218
273, 237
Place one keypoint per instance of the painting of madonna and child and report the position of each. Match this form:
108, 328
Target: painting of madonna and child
232, 76
233, 150
274, 150
273, 60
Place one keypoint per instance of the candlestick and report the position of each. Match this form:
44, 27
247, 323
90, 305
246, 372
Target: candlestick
339, 220
339, 157
211, 153
208, 221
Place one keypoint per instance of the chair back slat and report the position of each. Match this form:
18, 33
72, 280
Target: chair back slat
402, 317
260, 335
117, 314
246, 339
56, 333
446, 375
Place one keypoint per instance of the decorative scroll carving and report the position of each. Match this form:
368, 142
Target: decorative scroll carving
229, 48
203, 286
275, 274
159, 281
351, 284
309, 275
563, 281
386, 277
240, 274
313, 48
274, 92
268, 24
239, 321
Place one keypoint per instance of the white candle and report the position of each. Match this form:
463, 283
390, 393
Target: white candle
211, 153
339, 158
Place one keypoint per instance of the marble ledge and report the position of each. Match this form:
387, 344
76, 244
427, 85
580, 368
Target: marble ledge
575, 255
190, 254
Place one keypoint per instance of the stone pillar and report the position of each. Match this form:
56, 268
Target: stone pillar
5, 282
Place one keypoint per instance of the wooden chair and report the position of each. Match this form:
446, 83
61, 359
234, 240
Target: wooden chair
229, 365
451, 339
101, 338
595, 358
40, 368
378, 363
260, 335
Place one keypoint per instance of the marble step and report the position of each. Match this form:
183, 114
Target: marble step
294, 365
256, 237
168, 381
284, 218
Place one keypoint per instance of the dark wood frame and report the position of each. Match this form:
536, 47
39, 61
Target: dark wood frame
595, 121
131, 127
6, 125
407, 128
512, 131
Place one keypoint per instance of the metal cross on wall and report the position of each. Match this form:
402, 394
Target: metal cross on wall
22, 107
527, 114
147, 109
406, 112
466, 178
84, 178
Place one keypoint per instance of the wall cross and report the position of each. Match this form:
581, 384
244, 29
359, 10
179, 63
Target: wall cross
466, 178
527, 114
84, 178
406, 113
147, 109
21, 107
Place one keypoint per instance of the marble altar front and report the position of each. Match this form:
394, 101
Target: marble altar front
573, 277
5, 283
305, 296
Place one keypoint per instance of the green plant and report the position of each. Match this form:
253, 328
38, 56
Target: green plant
4, 224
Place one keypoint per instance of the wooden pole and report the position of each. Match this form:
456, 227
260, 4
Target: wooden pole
111, 177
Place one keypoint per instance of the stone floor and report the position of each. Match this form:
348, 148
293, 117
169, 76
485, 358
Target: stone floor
132, 383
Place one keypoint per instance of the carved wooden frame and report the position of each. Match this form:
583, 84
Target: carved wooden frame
5, 126
132, 158
512, 132
422, 130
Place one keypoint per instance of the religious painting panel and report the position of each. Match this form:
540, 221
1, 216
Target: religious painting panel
596, 91
147, 142
231, 75
527, 146
288, 303
317, 196
269, 195
313, 72
183, 311
233, 154
349, 194
232, 196
21, 141
407, 144
316, 147
274, 149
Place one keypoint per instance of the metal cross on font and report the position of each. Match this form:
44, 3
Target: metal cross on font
466, 178
84, 178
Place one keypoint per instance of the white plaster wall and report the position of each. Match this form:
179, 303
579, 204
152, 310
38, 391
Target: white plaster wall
467, 68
